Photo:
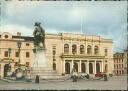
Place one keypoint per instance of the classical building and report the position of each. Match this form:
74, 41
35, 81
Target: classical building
88, 54
120, 63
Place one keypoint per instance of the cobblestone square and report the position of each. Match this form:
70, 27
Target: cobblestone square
113, 83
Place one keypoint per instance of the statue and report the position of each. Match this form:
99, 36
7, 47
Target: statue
39, 36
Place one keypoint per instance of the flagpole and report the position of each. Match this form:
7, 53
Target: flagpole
81, 20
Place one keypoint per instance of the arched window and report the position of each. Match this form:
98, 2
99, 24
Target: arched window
88, 49
83, 69
90, 68
81, 49
96, 50
66, 48
97, 67
76, 66
74, 49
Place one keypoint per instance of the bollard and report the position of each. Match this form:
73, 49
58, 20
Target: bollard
105, 77
74, 78
37, 80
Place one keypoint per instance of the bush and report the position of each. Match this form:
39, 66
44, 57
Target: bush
110, 75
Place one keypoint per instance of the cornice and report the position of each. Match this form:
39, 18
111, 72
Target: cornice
82, 56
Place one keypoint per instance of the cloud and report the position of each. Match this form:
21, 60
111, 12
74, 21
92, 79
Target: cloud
107, 19
16, 28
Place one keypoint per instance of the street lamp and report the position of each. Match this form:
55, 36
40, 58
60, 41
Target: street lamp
19, 46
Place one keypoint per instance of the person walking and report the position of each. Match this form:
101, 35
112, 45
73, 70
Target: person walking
74, 74
37, 80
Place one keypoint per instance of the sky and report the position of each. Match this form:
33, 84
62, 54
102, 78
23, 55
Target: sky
107, 19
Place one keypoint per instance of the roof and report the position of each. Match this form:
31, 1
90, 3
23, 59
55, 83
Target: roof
27, 38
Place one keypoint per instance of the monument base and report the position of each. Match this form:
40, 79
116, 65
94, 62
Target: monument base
44, 73
40, 66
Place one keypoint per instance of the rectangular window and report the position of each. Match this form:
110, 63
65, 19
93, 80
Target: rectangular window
54, 59
27, 44
27, 64
27, 55
6, 53
106, 52
54, 52
122, 65
115, 66
16, 54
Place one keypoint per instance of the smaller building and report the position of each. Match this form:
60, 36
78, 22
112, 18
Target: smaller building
125, 61
120, 63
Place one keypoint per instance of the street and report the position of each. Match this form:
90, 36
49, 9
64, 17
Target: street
113, 83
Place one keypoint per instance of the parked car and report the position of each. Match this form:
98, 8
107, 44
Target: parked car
99, 74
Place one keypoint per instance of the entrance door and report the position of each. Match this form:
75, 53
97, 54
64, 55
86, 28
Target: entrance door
76, 66
97, 67
90, 68
67, 68
83, 68
6, 68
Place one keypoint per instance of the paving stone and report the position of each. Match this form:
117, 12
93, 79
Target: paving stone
113, 83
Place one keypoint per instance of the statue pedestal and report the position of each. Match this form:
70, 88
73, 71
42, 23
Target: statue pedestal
40, 66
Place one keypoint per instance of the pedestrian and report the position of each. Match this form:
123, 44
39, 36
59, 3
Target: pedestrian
37, 80
74, 74
105, 77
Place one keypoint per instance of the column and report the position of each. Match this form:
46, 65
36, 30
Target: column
102, 67
72, 65
94, 67
80, 66
64, 66
87, 65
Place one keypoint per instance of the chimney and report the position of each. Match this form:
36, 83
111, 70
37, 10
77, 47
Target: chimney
18, 33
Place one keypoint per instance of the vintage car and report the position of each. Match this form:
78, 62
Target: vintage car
99, 74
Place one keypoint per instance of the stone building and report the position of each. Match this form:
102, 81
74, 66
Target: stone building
120, 63
125, 61
89, 54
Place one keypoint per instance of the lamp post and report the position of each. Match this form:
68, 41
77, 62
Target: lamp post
19, 46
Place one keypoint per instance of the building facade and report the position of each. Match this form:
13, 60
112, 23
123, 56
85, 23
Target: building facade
88, 54
118, 59
125, 61
120, 63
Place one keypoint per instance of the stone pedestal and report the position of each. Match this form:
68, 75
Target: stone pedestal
40, 66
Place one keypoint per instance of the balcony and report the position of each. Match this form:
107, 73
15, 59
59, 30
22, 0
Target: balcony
82, 56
